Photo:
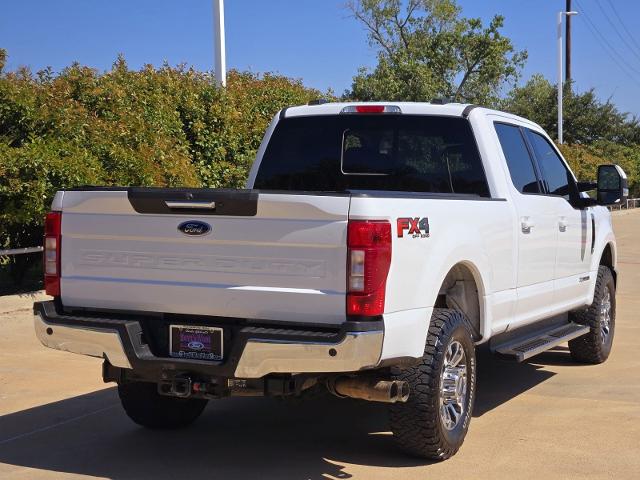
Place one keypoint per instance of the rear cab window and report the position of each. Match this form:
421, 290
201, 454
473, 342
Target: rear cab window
415, 153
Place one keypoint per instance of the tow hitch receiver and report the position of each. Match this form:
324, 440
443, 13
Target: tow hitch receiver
182, 386
177, 387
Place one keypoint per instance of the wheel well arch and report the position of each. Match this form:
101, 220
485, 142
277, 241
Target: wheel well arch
607, 259
462, 289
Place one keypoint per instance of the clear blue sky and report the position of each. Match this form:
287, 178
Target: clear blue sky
314, 40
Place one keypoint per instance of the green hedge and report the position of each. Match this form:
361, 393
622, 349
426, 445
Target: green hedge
584, 161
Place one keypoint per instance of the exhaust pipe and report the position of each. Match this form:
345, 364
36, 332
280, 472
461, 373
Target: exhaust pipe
370, 389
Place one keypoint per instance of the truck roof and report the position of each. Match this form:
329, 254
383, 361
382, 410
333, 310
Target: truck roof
411, 108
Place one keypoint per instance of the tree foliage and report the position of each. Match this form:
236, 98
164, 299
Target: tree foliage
584, 161
586, 119
427, 49
168, 126
595, 132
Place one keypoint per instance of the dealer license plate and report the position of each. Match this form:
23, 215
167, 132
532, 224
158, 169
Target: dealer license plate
200, 343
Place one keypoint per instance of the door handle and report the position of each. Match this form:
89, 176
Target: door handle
526, 223
194, 205
562, 224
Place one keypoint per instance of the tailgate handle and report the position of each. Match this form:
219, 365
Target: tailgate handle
191, 205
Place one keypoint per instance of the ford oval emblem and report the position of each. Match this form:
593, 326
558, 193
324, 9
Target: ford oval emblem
195, 345
194, 227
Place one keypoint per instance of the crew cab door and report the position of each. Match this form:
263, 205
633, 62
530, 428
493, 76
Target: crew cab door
573, 257
536, 229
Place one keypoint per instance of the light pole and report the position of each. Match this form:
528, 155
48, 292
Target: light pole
560, 82
221, 61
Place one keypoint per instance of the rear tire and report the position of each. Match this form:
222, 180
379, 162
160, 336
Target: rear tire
434, 421
145, 406
595, 346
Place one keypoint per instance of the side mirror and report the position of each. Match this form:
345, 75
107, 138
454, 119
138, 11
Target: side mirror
587, 186
612, 185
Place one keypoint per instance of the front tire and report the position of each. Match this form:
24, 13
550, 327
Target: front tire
595, 346
434, 421
145, 406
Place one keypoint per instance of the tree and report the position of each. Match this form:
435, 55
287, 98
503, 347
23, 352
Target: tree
595, 132
584, 161
426, 49
586, 119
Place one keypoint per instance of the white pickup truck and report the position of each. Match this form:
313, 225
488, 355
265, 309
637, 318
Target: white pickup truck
376, 245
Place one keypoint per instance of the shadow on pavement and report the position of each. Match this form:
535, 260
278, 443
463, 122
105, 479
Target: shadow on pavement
557, 356
500, 380
235, 438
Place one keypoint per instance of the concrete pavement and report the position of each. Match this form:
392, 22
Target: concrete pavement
548, 418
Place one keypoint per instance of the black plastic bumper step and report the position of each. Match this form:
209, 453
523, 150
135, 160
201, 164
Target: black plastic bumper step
538, 342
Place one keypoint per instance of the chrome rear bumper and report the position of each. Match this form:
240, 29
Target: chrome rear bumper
357, 351
102, 343
256, 351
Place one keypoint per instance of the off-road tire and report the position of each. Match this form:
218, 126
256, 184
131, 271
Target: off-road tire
145, 406
417, 425
595, 347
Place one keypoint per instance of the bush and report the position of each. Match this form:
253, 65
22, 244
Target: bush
584, 161
168, 126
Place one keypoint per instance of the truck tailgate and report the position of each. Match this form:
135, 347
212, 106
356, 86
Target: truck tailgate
266, 256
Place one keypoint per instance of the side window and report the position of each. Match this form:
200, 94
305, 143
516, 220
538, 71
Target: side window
554, 172
519, 161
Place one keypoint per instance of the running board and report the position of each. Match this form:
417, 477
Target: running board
541, 341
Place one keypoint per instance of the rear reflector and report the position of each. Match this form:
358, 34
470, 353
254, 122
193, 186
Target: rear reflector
369, 259
371, 109
51, 259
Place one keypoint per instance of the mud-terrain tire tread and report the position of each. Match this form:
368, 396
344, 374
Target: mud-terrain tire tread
416, 425
145, 406
589, 347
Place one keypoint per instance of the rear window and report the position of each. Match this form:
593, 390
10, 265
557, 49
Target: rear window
373, 152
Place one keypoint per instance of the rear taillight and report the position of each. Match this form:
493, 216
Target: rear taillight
369, 259
51, 260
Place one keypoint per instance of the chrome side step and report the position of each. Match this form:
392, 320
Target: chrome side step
541, 341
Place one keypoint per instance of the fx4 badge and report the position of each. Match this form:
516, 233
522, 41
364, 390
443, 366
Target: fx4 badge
417, 227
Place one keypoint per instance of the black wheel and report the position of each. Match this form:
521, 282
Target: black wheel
595, 346
434, 421
145, 406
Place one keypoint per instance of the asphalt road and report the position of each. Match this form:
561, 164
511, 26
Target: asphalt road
548, 418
